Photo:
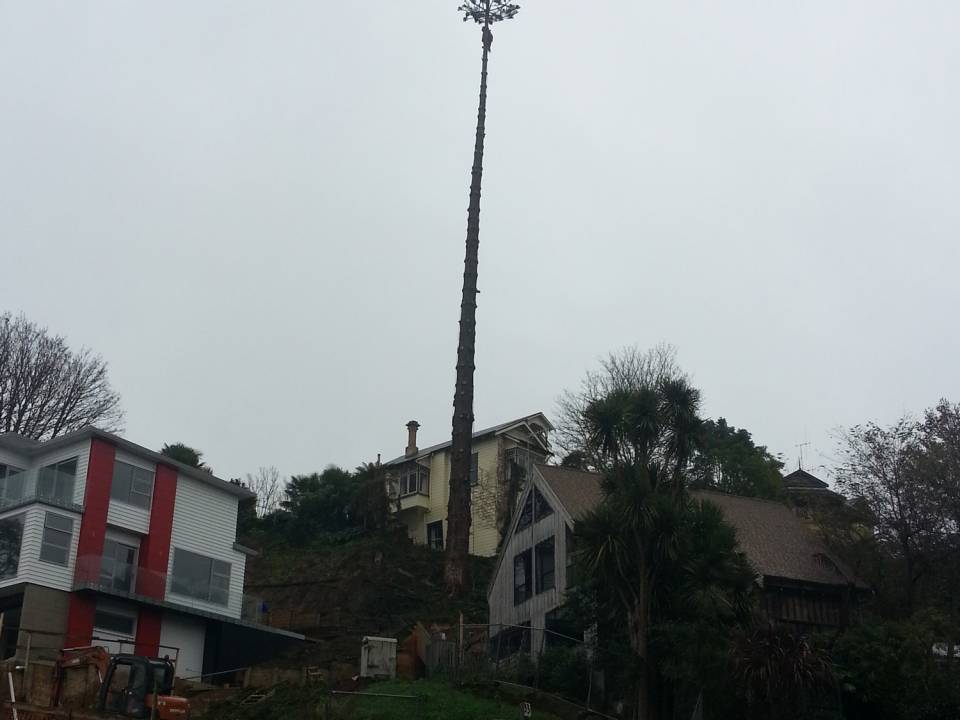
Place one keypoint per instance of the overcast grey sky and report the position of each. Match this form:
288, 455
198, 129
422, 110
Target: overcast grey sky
256, 210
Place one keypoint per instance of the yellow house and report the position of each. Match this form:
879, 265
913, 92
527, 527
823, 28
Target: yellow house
503, 457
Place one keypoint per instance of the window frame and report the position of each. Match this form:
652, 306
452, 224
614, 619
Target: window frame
535, 508
141, 499
541, 507
99, 612
539, 552
51, 532
524, 591
55, 468
8, 472
420, 477
571, 569
430, 541
110, 580
5, 563
525, 519
214, 590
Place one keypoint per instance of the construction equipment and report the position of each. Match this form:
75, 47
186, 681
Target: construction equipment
131, 686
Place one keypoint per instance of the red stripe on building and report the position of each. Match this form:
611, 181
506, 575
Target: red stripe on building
148, 632
155, 547
80, 620
93, 527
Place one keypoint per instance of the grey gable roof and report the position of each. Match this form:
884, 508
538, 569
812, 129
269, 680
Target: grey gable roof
776, 542
502, 427
32, 448
801, 479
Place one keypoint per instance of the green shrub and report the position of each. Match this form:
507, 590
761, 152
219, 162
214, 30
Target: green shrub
887, 669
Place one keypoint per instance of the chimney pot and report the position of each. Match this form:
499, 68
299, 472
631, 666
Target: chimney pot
412, 448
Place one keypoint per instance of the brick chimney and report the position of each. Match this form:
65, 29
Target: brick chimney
412, 448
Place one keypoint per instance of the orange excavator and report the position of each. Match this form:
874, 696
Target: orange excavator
131, 686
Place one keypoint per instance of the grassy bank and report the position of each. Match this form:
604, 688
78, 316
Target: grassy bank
419, 700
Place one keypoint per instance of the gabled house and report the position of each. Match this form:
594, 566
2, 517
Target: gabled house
503, 457
803, 584
103, 541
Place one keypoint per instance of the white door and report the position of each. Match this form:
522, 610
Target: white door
186, 634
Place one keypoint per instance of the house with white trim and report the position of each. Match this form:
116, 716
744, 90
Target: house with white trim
106, 542
503, 457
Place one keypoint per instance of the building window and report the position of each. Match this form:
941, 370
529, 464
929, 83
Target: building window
114, 622
526, 513
200, 577
535, 508
541, 508
571, 564
118, 565
522, 577
475, 468
11, 485
435, 535
11, 534
545, 565
511, 640
414, 480
560, 629
518, 473
57, 531
56, 481
131, 485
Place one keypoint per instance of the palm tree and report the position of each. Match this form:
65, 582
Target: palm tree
646, 436
484, 13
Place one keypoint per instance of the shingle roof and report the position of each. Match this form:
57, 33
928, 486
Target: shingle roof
476, 435
777, 543
802, 479
579, 491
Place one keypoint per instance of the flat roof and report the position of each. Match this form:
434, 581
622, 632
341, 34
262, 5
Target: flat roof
32, 448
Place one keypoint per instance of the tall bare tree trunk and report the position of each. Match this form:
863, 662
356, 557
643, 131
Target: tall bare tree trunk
458, 506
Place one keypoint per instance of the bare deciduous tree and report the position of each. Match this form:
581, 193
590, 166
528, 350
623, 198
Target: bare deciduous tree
624, 370
47, 389
269, 488
885, 467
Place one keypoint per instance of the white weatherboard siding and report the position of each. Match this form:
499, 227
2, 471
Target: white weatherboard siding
128, 517
205, 522
81, 451
186, 634
32, 568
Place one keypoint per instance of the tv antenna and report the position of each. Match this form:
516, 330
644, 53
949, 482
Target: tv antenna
801, 446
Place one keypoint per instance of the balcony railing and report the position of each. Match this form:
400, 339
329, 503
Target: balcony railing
44, 484
106, 574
